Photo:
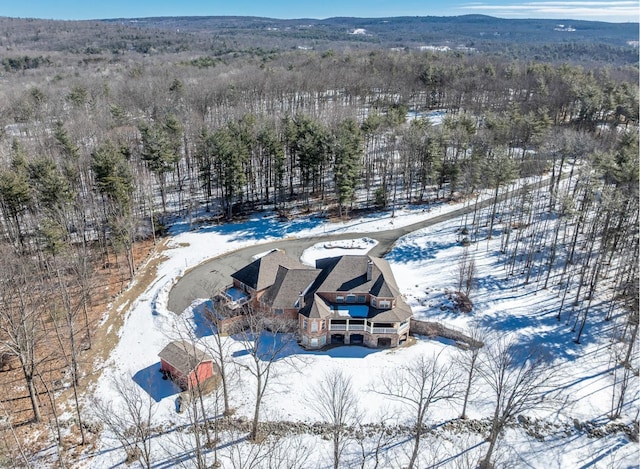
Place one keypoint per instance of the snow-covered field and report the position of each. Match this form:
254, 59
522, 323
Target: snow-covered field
424, 263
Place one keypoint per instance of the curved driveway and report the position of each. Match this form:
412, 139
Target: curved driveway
210, 276
205, 279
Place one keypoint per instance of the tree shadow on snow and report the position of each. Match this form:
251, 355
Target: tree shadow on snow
257, 228
270, 345
202, 326
541, 329
343, 351
150, 379
278, 346
410, 252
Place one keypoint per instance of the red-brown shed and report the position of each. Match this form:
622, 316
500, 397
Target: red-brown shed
186, 364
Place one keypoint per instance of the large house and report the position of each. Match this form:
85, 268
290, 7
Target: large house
343, 300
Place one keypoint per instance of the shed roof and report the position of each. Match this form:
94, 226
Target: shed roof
183, 356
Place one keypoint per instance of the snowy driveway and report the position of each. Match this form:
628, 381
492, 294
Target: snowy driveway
205, 279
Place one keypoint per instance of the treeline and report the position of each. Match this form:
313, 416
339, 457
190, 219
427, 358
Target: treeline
12, 64
588, 43
310, 132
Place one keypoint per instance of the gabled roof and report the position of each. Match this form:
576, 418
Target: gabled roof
262, 272
183, 356
289, 284
349, 274
384, 285
285, 279
318, 308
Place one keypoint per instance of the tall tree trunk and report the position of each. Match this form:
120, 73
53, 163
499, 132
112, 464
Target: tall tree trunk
33, 393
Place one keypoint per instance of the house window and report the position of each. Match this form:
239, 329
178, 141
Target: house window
314, 342
384, 304
305, 324
373, 302
323, 325
279, 311
351, 298
314, 326
339, 299
362, 299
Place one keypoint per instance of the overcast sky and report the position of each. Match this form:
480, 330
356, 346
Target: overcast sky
602, 10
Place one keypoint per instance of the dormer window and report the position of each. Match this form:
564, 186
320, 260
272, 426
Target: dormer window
384, 304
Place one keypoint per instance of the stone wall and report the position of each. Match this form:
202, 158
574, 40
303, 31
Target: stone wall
435, 329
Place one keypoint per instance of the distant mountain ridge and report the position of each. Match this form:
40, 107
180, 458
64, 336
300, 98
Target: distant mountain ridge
409, 30
576, 41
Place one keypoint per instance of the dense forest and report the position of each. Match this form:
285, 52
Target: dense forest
106, 143
580, 42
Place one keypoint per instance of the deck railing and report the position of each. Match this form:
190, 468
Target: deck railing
369, 329
384, 330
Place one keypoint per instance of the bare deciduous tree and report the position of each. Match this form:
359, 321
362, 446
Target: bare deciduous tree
518, 378
270, 453
335, 401
22, 297
466, 272
221, 353
380, 441
417, 386
265, 338
468, 360
131, 423
6, 447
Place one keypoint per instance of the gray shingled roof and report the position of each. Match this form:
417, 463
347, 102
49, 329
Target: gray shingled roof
401, 312
285, 278
262, 272
385, 285
317, 309
183, 356
349, 274
288, 286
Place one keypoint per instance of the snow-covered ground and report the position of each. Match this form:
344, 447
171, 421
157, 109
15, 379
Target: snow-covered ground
424, 263
356, 246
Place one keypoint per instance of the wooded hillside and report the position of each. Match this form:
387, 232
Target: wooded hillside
109, 133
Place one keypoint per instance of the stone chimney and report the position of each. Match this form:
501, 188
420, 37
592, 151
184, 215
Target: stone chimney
369, 270
300, 300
